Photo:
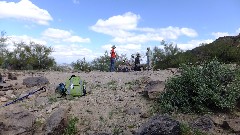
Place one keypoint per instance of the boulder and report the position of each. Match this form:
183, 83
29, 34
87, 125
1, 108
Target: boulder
35, 81
233, 124
56, 123
153, 89
159, 125
204, 123
12, 76
15, 120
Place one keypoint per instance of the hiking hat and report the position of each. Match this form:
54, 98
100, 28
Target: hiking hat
113, 46
138, 54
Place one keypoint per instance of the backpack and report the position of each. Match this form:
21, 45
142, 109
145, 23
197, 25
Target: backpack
74, 86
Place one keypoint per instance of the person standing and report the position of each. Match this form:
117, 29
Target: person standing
112, 59
149, 55
137, 63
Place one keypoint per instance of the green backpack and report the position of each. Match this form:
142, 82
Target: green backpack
75, 86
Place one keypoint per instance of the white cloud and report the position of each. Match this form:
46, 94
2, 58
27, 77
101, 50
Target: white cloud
58, 35
117, 25
75, 39
23, 38
193, 44
71, 53
76, 1
188, 32
123, 29
26, 39
238, 31
220, 34
24, 10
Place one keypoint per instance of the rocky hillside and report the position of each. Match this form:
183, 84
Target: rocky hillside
226, 48
116, 103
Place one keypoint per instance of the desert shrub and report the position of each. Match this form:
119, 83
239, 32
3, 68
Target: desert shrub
199, 89
187, 130
81, 65
30, 56
71, 128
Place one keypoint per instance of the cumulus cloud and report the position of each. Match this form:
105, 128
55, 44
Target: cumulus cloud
124, 29
220, 34
26, 39
58, 35
23, 38
71, 53
193, 44
117, 26
24, 10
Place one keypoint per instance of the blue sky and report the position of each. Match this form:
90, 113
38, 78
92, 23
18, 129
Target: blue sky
86, 28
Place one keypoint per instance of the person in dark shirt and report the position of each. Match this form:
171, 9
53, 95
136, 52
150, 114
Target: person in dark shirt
137, 63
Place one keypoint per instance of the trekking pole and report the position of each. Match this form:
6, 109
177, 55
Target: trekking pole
26, 96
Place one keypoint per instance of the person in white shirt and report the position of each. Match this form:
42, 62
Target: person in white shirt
149, 55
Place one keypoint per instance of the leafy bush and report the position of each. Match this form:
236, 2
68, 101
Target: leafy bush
199, 89
187, 130
71, 128
81, 65
30, 56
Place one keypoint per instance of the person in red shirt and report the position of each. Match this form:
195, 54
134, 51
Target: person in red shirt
112, 59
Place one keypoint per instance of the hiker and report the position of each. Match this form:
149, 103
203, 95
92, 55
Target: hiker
137, 63
149, 55
112, 59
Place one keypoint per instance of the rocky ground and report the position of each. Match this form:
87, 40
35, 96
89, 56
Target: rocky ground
116, 103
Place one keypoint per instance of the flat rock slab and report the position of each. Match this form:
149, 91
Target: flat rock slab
153, 89
15, 120
160, 125
35, 81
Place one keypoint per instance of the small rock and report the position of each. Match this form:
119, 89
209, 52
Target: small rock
204, 123
3, 99
133, 111
12, 76
145, 115
2, 93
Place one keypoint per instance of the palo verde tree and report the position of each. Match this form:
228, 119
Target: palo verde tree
101, 63
29, 56
81, 64
164, 58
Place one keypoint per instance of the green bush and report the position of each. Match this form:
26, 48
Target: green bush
187, 130
199, 89
71, 128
